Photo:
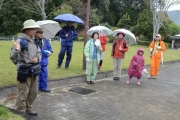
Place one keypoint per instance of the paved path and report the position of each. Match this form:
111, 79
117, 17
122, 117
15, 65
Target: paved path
154, 99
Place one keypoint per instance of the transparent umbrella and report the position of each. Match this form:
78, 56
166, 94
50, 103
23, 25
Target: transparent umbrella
129, 36
99, 29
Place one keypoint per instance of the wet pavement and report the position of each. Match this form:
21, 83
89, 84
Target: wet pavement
154, 99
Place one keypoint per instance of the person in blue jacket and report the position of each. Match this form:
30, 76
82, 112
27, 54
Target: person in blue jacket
67, 34
46, 51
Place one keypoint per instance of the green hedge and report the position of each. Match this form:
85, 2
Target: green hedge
145, 43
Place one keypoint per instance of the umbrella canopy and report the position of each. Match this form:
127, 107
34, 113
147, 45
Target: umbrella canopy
99, 29
129, 36
50, 28
68, 17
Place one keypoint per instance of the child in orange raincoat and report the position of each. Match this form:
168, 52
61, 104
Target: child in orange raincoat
157, 47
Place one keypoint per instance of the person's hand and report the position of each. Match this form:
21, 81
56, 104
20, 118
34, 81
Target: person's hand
16, 46
50, 54
97, 43
67, 35
159, 47
120, 48
87, 60
35, 60
150, 49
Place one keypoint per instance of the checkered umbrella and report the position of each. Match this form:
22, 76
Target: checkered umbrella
50, 28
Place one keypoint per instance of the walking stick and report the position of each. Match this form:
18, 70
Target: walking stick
162, 58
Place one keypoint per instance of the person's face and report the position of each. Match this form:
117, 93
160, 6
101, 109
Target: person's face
30, 32
70, 24
95, 36
39, 34
157, 38
120, 36
141, 53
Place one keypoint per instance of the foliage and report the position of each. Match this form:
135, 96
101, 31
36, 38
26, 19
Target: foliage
64, 8
124, 22
78, 8
144, 25
144, 43
5, 114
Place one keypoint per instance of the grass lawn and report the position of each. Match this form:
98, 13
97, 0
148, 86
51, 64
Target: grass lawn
5, 114
8, 69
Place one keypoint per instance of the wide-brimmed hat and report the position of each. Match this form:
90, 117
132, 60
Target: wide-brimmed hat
120, 33
29, 24
39, 30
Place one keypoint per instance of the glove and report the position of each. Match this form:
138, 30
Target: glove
150, 49
24, 44
145, 71
46, 53
159, 47
87, 60
97, 43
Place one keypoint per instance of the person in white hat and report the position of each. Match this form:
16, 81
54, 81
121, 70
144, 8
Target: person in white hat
156, 48
27, 53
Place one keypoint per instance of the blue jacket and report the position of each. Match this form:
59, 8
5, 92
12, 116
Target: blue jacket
67, 41
46, 46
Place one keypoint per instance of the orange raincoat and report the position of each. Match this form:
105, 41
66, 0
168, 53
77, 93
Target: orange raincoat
156, 56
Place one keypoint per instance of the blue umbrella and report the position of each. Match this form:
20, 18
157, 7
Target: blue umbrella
68, 17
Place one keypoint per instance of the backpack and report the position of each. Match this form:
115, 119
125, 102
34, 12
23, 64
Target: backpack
24, 45
124, 43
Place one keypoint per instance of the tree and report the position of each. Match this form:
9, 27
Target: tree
78, 8
159, 8
124, 21
35, 6
63, 9
144, 24
3, 2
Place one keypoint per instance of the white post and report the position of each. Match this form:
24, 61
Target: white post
50, 39
172, 44
13, 39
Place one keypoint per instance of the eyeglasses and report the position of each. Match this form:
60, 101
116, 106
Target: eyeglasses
157, 36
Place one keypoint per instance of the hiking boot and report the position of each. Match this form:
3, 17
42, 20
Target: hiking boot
91, 82
31, 112
58, 66
88, 82
46, 90
116, 78
150, 77
154, 77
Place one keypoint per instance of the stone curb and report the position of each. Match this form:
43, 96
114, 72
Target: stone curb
8, 90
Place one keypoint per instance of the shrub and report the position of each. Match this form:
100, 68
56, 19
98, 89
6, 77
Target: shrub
145, 43
168, 45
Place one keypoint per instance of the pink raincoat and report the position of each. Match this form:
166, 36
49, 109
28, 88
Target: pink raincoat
136, 65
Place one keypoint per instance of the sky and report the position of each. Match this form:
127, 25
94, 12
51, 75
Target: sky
174, 7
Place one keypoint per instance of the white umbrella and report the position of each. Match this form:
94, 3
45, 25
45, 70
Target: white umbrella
129, 36
99, 29
50, 28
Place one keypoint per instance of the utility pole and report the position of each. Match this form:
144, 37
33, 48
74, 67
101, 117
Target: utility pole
86, 29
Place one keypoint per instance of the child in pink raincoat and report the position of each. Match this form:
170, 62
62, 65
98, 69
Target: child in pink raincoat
136, 66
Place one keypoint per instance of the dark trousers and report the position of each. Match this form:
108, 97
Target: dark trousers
68, 51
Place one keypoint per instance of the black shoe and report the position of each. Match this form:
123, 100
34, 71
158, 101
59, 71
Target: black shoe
31, 112
46, 90
88, 82
91, 82
116, 78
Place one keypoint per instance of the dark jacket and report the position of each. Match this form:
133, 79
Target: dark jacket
72, 35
